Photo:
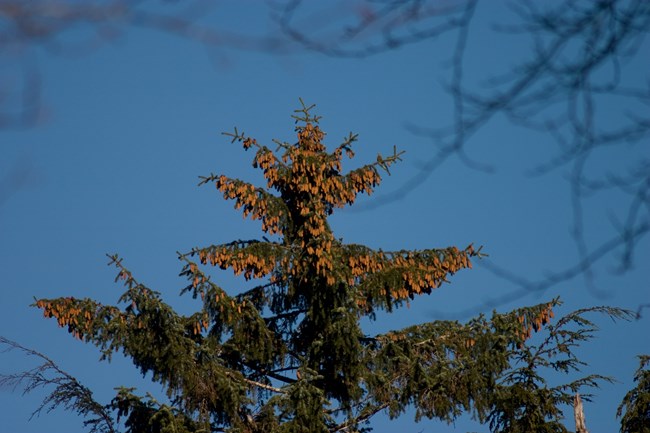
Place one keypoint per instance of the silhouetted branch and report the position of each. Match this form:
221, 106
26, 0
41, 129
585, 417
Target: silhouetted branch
574, 85
68, 392
525, 286
64, 27
374, 28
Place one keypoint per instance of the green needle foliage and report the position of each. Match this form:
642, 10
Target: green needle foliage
289, 355
636, 403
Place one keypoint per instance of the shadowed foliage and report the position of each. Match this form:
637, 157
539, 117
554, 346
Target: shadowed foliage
635, 407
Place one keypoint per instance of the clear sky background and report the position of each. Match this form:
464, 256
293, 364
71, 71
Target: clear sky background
128, 126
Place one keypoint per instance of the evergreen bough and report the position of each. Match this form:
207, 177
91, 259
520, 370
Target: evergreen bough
289, 355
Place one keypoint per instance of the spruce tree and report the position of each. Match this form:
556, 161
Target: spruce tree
289, 355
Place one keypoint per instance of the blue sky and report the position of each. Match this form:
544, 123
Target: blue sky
128, 127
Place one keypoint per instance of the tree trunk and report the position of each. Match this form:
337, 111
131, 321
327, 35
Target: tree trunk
579, 415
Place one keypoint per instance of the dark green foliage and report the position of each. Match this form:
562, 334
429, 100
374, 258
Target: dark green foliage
636, 403
148, 416
522, 400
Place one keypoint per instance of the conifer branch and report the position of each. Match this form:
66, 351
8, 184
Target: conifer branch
634, 408
304, 113
68, 392
264, 386
366, 414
